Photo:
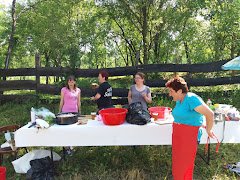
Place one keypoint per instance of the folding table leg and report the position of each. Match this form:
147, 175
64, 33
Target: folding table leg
51, 148
205, 158
64, 153
208, 155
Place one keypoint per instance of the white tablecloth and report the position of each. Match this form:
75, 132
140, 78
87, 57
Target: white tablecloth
95, 133
229, 134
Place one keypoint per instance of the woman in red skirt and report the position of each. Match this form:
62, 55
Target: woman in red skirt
188, 116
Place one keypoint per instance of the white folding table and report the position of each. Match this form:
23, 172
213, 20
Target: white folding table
95, 133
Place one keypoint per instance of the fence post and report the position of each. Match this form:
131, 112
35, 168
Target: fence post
37, 66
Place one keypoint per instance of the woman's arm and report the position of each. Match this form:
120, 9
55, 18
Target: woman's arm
96, 97
61, 102
147, 97
208, 113
129, 97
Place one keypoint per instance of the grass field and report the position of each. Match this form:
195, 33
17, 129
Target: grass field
125, 162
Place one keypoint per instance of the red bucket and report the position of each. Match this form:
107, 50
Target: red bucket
113, 116
160, 111
2, 173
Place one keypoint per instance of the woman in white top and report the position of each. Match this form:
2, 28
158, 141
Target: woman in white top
139, 92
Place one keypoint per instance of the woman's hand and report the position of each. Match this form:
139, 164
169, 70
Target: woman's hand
96, 97
144, 95
147, 97
210, 133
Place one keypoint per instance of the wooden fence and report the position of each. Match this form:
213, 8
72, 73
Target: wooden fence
119, 71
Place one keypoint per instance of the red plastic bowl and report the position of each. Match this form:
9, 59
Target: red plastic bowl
160, 110
113, 116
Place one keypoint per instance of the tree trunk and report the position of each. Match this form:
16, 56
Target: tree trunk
132, 49
187, 52
11, 39
156, 47
37, 66
144, 34
233, 46
47, 58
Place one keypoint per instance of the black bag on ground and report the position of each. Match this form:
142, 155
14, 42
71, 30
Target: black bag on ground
137, 115
41, 169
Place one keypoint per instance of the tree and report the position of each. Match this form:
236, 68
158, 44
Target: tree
109, 33
11, 38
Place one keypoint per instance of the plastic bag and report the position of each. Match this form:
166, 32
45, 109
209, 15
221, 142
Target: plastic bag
22, 164
234, 167
41, 169
43, 113
42, 124
137, 106
137, 115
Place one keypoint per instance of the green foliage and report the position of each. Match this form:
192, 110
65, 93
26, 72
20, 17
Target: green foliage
15, 114
162, 101
86, 82
139, 162
86, 34
49, 120
220, 94
121, 82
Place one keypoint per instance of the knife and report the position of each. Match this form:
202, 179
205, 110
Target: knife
33, 124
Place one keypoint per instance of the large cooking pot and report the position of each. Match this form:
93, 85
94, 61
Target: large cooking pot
66, 118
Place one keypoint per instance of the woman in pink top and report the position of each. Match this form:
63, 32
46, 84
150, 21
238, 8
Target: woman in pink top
70, 97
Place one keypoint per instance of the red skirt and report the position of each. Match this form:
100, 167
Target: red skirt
184, 148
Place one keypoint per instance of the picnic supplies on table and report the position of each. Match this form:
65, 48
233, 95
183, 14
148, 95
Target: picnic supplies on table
42, 123
162, 122
137, 115
41, 118
162, 112
43, 113
66, 118
225, 112
113, 116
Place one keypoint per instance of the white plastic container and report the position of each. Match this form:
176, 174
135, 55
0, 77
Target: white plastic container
166, 113
33, 115
209, 102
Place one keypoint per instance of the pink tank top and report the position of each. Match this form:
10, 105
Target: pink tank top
70, 100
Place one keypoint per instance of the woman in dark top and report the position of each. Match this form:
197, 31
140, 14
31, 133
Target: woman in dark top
103, 95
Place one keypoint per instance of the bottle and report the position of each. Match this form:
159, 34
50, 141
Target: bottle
209, 102
166, 113
33, 118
